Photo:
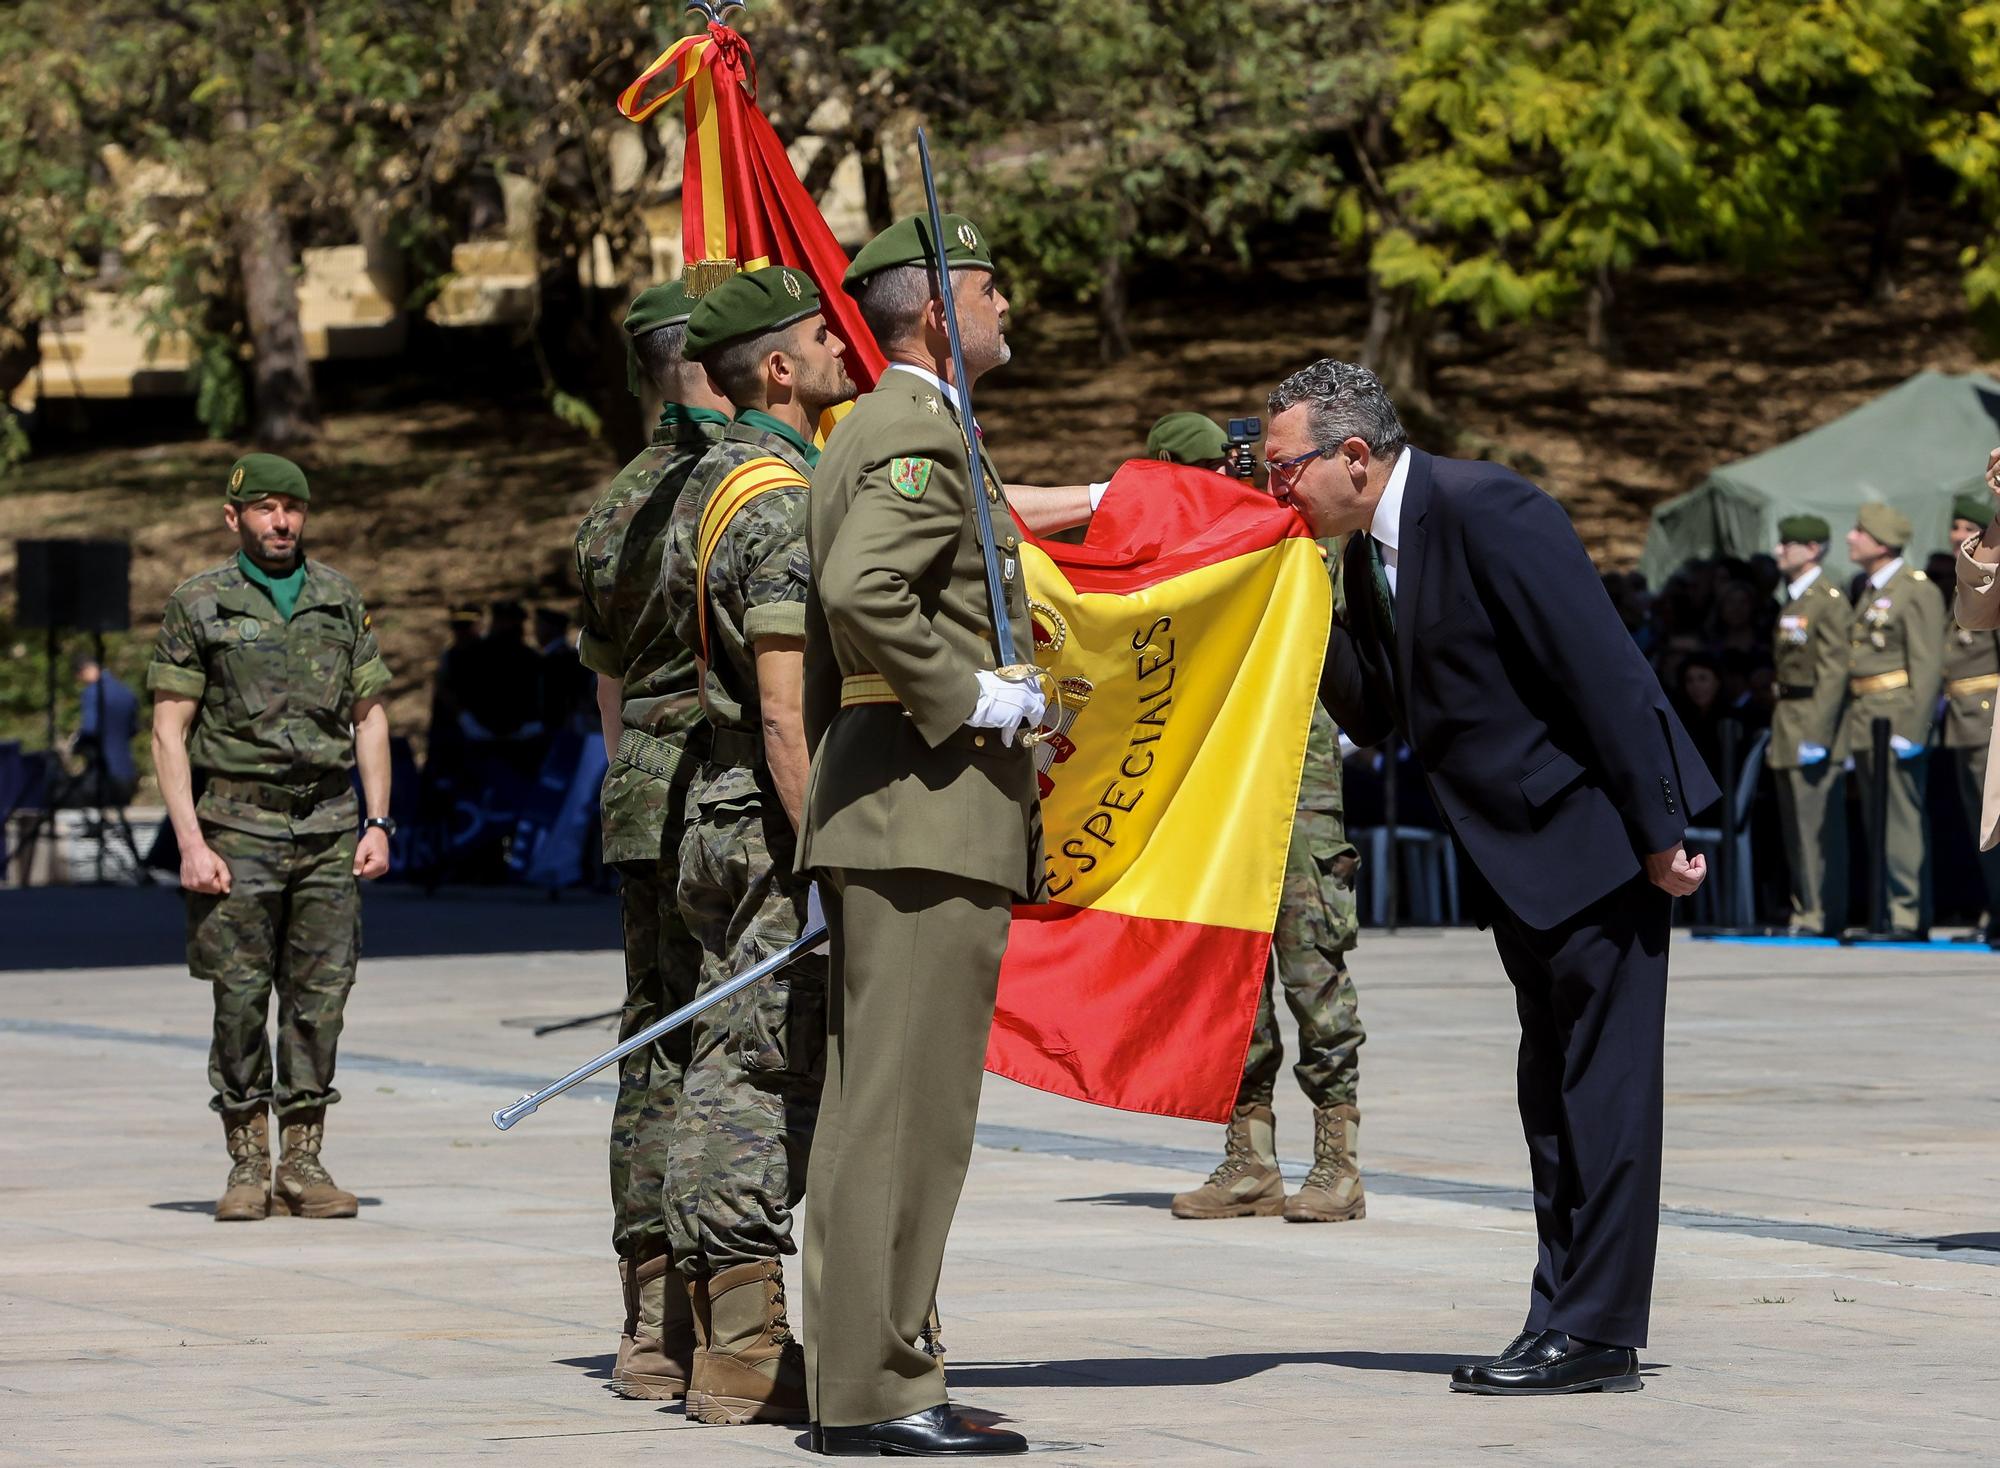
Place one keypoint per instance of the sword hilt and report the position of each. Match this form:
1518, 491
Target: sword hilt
1029, 673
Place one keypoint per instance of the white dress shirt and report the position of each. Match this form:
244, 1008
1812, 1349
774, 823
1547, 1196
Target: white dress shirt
1881, 578
1387, 527
1804, 584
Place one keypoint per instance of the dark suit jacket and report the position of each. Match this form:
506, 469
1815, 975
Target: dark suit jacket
1550, 748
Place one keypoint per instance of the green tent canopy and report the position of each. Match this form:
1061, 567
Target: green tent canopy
1915, 447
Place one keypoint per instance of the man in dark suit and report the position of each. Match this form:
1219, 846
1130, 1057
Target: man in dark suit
1477, 628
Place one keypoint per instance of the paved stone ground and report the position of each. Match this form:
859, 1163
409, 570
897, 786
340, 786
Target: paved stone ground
1828, 1282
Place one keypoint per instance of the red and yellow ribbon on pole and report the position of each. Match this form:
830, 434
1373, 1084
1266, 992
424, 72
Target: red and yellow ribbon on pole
742, 205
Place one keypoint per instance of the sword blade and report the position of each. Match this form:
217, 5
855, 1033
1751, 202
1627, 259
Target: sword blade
996, 586
809, 942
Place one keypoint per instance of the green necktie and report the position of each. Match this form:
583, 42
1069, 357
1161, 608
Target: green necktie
1381, 579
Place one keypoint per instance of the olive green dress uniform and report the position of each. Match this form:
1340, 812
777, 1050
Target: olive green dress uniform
627, 635
926, 832
738, 1164
1971, 689
1810, 655
1895, 666
275, 737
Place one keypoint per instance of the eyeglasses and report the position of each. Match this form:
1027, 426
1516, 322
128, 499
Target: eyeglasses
1283, 476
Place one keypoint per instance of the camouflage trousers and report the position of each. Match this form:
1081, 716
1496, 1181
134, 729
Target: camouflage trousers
291, 920
1317, 926
750, 1097
662, 967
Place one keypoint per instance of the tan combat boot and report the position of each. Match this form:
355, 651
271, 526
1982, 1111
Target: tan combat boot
1247, 1184
303, 1187
630, 1292
747, 1367
655, 1367
1331, 1192
248, 1196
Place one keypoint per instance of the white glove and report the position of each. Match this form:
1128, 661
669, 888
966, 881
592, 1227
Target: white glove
1006, 705
815, 914
1903, 748
1811, 754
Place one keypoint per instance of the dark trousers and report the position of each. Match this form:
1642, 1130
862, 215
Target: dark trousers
1592, 996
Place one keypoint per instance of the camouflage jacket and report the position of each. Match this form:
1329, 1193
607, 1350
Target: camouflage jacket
755, 587
627, 632
1319, 787
277, 697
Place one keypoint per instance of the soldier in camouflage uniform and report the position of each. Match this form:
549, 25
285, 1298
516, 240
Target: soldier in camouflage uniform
266, 678
1971, 689
735, 573
651, 712
1317, 926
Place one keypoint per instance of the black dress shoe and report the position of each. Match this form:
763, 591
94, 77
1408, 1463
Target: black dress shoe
1513, 1348
937, 1432
1553, 1364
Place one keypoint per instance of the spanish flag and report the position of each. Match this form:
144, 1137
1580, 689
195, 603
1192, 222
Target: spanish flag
1186, 634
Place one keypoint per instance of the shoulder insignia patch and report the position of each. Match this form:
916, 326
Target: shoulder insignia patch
799, 567
911, 476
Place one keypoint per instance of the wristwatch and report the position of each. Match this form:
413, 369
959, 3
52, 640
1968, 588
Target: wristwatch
379, 823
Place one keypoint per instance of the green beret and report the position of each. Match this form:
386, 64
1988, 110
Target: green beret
750, 304
1802, 528
907, 242
255, 475
1886, 523
1977, 508
657, 306
1187, 438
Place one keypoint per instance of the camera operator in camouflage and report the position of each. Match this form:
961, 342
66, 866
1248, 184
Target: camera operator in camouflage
266, 678
653, 735
735, 573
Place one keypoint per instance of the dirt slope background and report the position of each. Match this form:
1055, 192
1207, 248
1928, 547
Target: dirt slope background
447, 501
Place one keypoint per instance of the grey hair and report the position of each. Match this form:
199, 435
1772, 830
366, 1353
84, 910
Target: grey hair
892, 302
1343, 401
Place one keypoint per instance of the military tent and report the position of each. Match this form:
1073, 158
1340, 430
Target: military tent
1915, 447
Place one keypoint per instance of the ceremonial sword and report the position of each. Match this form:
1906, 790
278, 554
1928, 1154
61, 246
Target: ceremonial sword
812, 940
996, 584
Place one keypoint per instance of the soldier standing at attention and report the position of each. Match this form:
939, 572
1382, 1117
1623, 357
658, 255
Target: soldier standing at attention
1895, 663
1317, 926
647, 702
1971, 687
266, 677
735, 581
1810, 657
923, 827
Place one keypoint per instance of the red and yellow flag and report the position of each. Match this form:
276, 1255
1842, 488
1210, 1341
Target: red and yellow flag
1187, 632
741, 200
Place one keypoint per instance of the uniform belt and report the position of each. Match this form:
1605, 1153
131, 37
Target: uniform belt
857, 689
666, 758
277, 796
1795, 690
1879, 683
735, 749
1961, 687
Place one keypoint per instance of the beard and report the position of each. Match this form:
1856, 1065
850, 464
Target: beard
264, 550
